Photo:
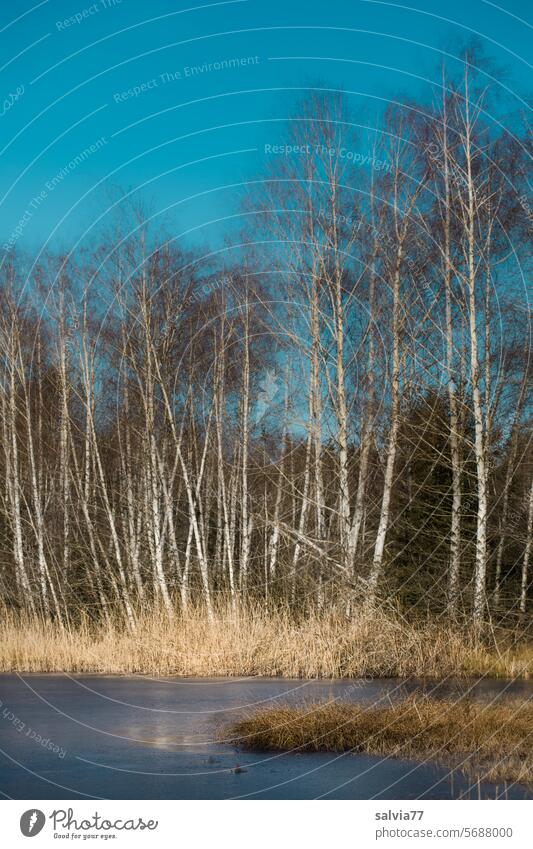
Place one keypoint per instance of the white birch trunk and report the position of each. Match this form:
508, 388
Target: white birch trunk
527, 553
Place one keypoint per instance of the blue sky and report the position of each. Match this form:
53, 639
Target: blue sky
133, 80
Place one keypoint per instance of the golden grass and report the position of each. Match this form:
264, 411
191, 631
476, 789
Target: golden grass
495, 740
258, 643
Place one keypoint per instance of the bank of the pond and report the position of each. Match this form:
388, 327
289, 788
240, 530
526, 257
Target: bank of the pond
254, 642
493, 740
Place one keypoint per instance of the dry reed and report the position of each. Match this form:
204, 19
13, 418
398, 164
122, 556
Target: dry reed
258, 643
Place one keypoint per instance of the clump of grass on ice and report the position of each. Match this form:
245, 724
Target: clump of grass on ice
494, 740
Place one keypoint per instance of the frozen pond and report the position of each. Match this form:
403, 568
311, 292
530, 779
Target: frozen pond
92, 736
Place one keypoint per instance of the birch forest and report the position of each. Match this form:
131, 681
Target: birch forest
332, 409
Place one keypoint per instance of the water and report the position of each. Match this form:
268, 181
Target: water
106, 737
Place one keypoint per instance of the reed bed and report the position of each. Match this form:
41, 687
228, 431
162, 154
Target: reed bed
494, 740
254, 642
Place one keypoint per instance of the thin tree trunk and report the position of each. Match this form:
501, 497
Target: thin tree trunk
245, 519
455, 523
480, 436
527, 553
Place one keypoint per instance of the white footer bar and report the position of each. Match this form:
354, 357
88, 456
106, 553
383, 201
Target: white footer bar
267, 824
